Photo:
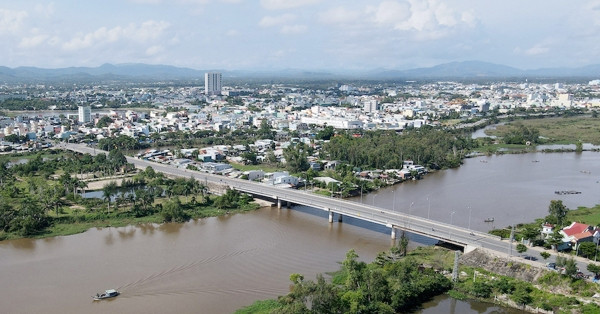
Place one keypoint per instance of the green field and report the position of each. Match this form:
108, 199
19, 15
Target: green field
590, 216
558, 130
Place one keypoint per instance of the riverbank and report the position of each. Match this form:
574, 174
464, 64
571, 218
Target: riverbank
482, 276
74, 220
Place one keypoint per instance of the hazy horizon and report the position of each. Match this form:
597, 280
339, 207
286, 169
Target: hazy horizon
311, 35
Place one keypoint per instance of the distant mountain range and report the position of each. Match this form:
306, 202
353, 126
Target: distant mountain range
137, 71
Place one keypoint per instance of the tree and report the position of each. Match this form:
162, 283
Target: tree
545, 255
588, 249
556, 239
402, 247
265, 132
593, 268
570, 267
522, 294
481, 289
354, 269
107, 192
558, 210
325, 134
173, 211
104, 122
249, 157
521, 248
531, 232
31, 218
578, 147
295, 158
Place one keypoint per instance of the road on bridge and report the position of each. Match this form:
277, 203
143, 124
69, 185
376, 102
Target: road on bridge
392, 219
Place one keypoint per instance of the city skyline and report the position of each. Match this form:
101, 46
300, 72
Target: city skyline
299, 34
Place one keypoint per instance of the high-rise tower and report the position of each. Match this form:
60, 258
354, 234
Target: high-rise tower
85, 114
212, 83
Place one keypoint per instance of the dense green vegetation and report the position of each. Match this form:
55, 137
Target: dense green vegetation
427, 146
542, 294
36, 104
397, 284
388, 285
43, 198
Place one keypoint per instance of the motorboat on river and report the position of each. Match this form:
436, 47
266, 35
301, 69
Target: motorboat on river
111, 293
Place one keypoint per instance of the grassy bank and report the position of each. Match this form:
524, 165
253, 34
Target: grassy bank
558, 130
550, 291
586, 215
72, 221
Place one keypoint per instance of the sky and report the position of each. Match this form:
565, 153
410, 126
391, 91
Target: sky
316, 35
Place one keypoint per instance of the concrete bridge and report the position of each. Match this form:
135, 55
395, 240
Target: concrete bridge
336, 207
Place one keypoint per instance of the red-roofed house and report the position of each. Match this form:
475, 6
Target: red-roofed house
575, 228
577, 233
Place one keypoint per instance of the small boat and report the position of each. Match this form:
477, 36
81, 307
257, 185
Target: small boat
489, 220
111, 293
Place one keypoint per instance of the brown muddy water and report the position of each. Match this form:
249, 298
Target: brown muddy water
218, 265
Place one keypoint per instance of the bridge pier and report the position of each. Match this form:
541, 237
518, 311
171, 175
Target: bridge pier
330, 216
339, 217
393, 233
278, 203
289, 204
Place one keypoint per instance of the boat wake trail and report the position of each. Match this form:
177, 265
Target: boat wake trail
177, 270
206, 291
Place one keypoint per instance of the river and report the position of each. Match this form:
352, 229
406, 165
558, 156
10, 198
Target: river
217, 265
509, 188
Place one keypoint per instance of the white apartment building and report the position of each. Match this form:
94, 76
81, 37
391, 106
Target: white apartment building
212, 83
85, 114
370, 105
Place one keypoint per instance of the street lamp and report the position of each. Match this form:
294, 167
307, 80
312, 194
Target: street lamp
429, 207
450, 230
394, 203
361, 193
470, 209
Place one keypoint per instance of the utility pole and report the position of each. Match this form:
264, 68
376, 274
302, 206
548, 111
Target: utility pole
510, 240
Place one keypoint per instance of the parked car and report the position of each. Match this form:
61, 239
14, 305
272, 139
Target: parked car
530, 258
551, 265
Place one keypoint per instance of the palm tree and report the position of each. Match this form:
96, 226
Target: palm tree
79, 184
107, 192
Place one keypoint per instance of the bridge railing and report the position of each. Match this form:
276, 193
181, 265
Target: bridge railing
300, 197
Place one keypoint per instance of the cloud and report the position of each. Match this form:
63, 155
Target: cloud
293, 29
286, 4
390, 12
11, 21
45, 10
339, 15
270, 21
536, 50
33, 41
147, 31
154, 50
416, 19
232, 33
